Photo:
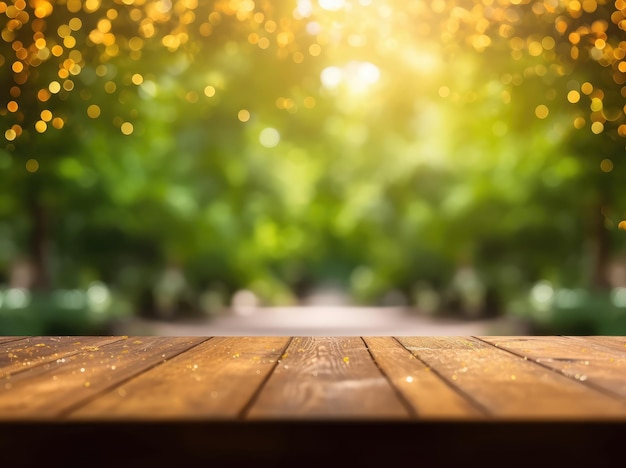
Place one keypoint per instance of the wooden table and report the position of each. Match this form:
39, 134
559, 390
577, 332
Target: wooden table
265, 396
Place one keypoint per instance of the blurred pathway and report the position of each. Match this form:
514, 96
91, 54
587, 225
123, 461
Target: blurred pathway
321, 321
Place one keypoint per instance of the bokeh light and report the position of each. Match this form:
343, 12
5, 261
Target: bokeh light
384, 145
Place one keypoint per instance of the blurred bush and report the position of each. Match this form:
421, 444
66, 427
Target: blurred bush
578, 311
61, 312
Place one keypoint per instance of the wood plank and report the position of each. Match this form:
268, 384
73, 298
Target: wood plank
617, 343
327, 377
6, 339
215, 379
507, 386
18, 356
52, 389
428, 394
593, 364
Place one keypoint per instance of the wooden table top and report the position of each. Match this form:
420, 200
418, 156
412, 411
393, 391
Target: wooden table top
234, 401
143, 378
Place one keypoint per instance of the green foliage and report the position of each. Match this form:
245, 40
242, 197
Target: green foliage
62, 312
577, 312
377, 148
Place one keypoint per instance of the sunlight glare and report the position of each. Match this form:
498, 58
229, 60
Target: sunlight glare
358, 76
304, 9
331, 77
424, 61
365, 73
332, 5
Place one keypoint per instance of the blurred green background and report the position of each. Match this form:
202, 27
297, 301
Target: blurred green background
159, 158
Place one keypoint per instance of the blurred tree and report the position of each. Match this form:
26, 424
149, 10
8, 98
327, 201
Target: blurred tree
273, 146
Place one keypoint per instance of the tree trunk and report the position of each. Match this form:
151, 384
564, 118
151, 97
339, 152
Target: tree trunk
601, 251
39, 243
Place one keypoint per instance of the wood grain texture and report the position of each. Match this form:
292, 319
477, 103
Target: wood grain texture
20, 355
327, 377
617, 343
215, 379
585, 361
50, 390
6, 339
428, 394
307, 378
507, 386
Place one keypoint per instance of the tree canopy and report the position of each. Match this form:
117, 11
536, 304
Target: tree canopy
270, 145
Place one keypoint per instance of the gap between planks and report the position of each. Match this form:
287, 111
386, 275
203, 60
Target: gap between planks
47, 391
509, 386
411, 410
79, 404
428, 392
214, 380
591, 376
243, 414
